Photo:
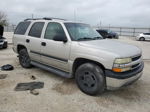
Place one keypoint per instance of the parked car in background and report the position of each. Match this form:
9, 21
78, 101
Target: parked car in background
3, 41
143, 36
107, 34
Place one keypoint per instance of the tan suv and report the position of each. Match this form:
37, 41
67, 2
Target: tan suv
72, 49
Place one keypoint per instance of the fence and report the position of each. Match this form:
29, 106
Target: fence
126, 31
122, 31
9, 28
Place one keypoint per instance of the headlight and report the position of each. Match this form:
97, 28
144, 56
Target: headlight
123, 61
119, 65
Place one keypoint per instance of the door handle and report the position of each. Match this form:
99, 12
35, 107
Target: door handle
43, 43
27, 40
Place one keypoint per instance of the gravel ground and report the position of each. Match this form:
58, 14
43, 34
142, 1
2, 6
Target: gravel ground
62, 95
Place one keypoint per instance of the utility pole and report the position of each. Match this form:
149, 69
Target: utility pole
100, 24
74, 15
32, 16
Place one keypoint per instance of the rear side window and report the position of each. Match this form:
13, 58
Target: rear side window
21, 28
36, 29
146, 33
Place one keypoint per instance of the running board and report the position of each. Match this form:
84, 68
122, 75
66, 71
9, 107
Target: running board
52, 69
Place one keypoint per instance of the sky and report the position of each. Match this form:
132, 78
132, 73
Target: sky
130, 13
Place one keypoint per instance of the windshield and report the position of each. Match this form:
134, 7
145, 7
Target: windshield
80, 31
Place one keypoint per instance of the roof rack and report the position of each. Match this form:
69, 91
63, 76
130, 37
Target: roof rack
45, 18
32, 19
51, 18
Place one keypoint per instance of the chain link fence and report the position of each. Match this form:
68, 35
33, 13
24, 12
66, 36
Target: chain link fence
9, 28
122, 31
126, 31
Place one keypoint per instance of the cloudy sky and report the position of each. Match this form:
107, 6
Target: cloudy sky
114, 12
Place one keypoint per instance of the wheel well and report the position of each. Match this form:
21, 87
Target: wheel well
80, 61
109, 36
19, 47
142, 37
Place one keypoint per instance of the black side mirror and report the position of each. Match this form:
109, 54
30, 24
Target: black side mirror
60, 38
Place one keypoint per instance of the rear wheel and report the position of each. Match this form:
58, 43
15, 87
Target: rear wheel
110, 37
24, 58
90, 79
142, 39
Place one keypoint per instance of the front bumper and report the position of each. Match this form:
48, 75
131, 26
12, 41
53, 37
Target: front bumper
117, 80
3, 44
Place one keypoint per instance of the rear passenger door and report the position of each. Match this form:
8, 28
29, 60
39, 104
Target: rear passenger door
33, 41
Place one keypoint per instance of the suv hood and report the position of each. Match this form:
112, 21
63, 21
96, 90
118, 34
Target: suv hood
119, 48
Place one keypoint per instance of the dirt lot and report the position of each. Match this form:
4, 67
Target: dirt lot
62, 95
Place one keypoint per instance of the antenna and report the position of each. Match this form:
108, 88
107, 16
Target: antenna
32, 16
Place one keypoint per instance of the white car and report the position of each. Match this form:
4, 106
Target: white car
143, 36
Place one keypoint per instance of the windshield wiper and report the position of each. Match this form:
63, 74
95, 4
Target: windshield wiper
85, 38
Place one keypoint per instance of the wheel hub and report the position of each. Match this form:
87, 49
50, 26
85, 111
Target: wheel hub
88, 79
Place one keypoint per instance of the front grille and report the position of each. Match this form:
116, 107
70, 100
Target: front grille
135, 66
136, 58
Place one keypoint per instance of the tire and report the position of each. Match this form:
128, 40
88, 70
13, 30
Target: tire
142, 39
24, 58
110, 37
90, 79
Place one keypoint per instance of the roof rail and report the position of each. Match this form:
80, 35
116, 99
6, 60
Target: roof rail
45, 18
32, 19
51, 18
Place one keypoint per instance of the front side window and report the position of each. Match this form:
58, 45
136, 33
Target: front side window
54, 29
80, 31
36, 29
22, 27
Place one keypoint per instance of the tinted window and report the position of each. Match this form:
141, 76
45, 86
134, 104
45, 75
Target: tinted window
36, 29
21, 28
54, 29
146, 33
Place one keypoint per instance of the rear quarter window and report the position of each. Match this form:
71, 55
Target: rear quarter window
22, 27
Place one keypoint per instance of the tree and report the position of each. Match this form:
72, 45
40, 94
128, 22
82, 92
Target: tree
3, 19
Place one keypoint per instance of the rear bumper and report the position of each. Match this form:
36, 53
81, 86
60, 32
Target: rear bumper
117, 80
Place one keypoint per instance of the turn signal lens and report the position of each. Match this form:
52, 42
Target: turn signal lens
121, 69
117, 69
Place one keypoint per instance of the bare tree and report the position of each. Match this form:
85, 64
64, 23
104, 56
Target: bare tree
3, 19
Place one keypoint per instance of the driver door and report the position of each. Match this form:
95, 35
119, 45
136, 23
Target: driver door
55, 53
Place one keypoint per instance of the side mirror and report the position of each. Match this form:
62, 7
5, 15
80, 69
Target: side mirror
60, 38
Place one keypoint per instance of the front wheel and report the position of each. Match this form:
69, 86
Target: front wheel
90, 79
142, 39
24, 58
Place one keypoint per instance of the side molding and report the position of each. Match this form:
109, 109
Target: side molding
52, 69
